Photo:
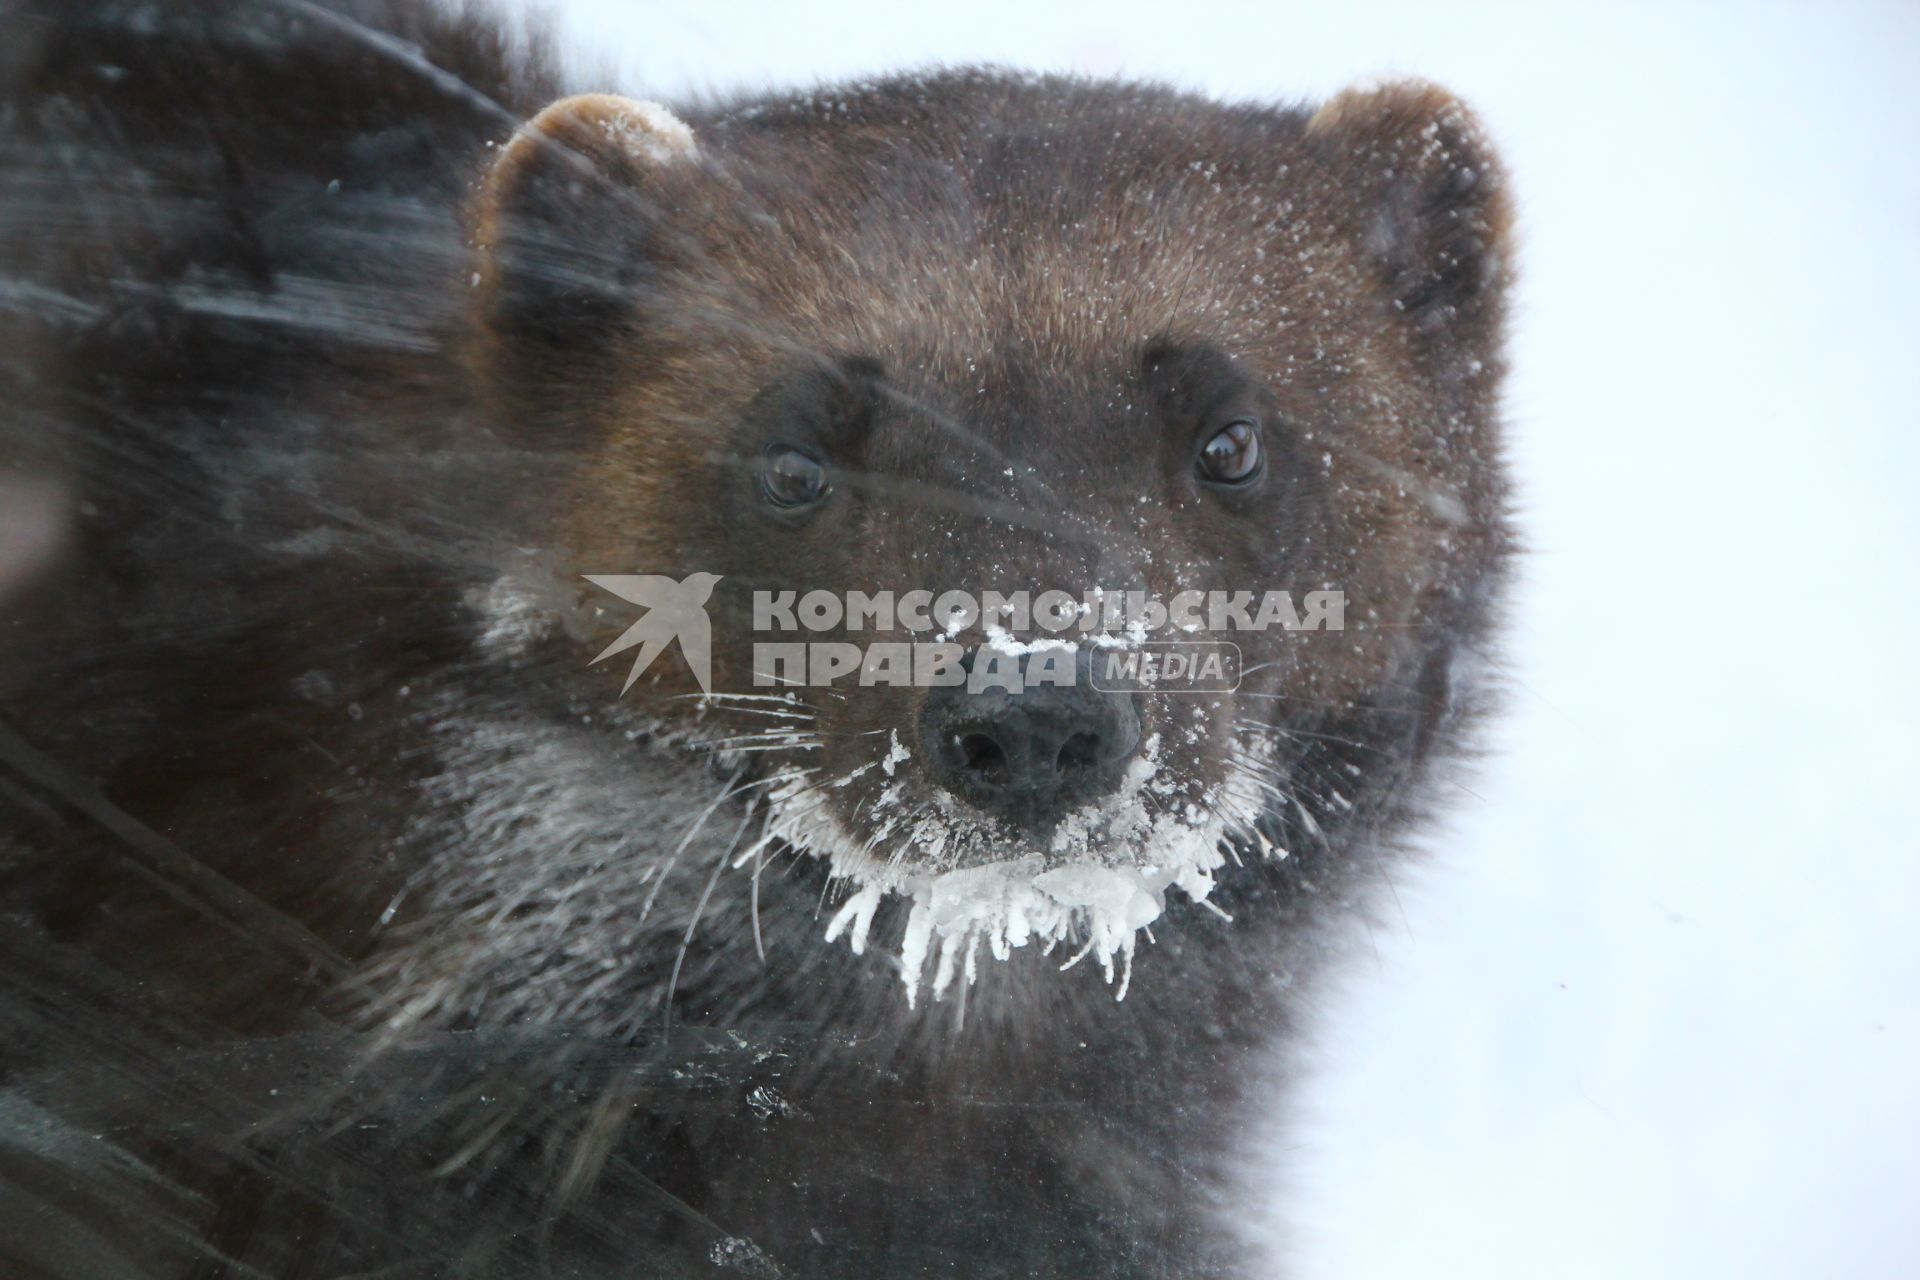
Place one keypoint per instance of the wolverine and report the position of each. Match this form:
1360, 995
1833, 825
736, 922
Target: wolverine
413, 863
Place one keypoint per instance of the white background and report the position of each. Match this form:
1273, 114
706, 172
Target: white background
1652, 1006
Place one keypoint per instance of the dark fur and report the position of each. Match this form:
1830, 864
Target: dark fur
328, 947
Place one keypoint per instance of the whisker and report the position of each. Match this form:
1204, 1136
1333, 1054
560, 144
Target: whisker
673, 858
699, 909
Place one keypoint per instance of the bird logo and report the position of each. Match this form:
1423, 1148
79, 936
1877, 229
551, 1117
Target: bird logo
675, 611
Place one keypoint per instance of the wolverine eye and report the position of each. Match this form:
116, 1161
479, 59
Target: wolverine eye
792, 477
1232, 456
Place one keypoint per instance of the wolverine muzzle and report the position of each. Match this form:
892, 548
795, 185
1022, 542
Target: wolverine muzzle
1033, 755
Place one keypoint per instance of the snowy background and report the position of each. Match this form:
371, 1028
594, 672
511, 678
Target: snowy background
1652, 1007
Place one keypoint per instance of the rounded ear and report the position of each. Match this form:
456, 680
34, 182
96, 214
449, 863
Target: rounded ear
1433, 211
569, 219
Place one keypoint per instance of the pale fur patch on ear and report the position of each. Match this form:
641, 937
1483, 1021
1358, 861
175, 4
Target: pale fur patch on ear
1374, 100
643, 131
651, 132
607, 130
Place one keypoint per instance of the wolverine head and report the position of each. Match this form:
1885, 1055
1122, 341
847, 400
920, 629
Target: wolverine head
1093, 484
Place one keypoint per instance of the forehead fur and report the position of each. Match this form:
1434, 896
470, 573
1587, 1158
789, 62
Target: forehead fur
946, 219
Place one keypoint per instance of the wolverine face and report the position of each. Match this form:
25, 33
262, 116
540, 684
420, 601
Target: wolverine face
1074, 470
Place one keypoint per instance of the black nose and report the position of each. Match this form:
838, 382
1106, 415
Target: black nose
1035, 754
